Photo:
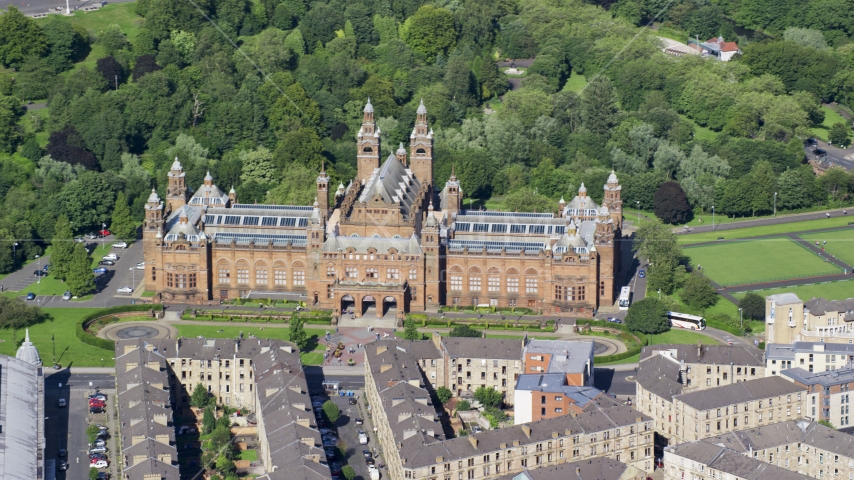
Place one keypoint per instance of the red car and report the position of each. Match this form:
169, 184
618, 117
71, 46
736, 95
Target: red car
97, 403
104, 233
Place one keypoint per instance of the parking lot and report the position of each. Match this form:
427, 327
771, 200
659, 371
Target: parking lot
348, 437
65, 427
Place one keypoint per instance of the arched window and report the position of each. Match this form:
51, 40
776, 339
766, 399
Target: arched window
242, 272
299, 273
280, 273
420, 151
368, 150
223, 267
531, 281
261, 273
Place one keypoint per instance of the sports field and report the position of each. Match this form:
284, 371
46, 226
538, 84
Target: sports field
840, 243
757, 261
832, 222
829, 291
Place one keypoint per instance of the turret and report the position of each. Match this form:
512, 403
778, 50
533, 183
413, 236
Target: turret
368, 144
613, 200
176, 193
232, 196
421, 147
323, 192
451, 196
401, 154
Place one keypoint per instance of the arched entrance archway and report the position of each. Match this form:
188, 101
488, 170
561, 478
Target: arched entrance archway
348, 305
368, 302
389, 306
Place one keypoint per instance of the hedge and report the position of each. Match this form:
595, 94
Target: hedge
722, 326
643, 341
89, 339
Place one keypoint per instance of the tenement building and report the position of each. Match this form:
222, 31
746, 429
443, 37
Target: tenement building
418, 442
391, 239
154, 377
801, 447
707, 366
682, 415
788, 319
602, 468
811, 356
828, 394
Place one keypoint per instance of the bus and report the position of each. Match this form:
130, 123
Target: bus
625, 298
683, 320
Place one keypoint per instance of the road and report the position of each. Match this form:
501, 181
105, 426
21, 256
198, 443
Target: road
835, 155
49, 6
66, 427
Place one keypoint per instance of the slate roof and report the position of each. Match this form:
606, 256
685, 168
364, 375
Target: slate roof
820, 306
489, 348
22, 418
659, 374
393, 184
411, 245
602, 468
739, 393
728, 461
825, 379
710, 354
785, 299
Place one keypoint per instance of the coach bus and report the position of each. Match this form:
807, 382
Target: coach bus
625, 298
683, 320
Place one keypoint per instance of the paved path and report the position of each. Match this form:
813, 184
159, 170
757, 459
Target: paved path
759, 222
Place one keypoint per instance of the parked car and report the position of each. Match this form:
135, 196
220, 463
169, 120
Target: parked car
363, 438
101, 449
40, 273
642, 273
476, 429
120, 245
110, 256
66, 296
100, 463
63, 452
108, 263
140, 266
104, 232
359, 421
614, 320
99, 270
91, 236
352, 401
370, 461
96, 410
63, 464
79, 240
31, 296
367, 454
124, 290
103, 476
330, 442
97, 443
102, 395
62, 402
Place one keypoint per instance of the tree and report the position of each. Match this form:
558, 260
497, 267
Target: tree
463, 405
258, 166
839, 134
348, 472
15, 314
20, 38
225, 465
93, 473
62, 247
200, 398
208, 420
111, 70
444, 394
430, 31
527, 200
464, 331
145, 64
66, 145
827, 424
752, 306
671, 203
598, 106
332, 412
806, 37
122, 224
297, 333
80, 279
488, 396
698, 291
66, 43
410, 331
657, 243
113, 39
648, 316
87, 201
11, 111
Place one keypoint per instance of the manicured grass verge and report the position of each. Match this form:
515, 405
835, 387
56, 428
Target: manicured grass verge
84, 336
841, 290
794, 226
121, 14
70, 350
756, 261
830, 117
840, 243
677, 335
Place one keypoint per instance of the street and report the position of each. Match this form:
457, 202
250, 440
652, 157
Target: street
834, 155
65, 427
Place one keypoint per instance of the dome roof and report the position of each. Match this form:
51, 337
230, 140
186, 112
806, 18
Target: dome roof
176, 165
612, 178
208, 177
421, 108
27, 352
582, 188
153, 198
401, 150
368, 107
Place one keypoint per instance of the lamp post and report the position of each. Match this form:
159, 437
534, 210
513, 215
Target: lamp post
14, 251
638, 202
775, 204
39, 281
741, 319
713, 218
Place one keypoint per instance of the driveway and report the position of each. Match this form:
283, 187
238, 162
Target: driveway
348, 433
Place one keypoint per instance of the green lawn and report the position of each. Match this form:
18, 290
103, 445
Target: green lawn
314, 357
677, 335
701, 133
830, 291
69, 350
840, 243
755, 261
121, 14
832, 222
575, 83
830, 117
251, 455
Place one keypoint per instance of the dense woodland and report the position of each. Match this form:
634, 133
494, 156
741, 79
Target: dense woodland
263, 118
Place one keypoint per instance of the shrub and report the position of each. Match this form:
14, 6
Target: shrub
444, 394
463, 405
332, 412
348, 472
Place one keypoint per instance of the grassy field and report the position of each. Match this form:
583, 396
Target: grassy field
831, 291
575, 83
121, 14
69, 350
840, 243
314, 357
832, 222
701, 133
754, 261
672, 336
830, 117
